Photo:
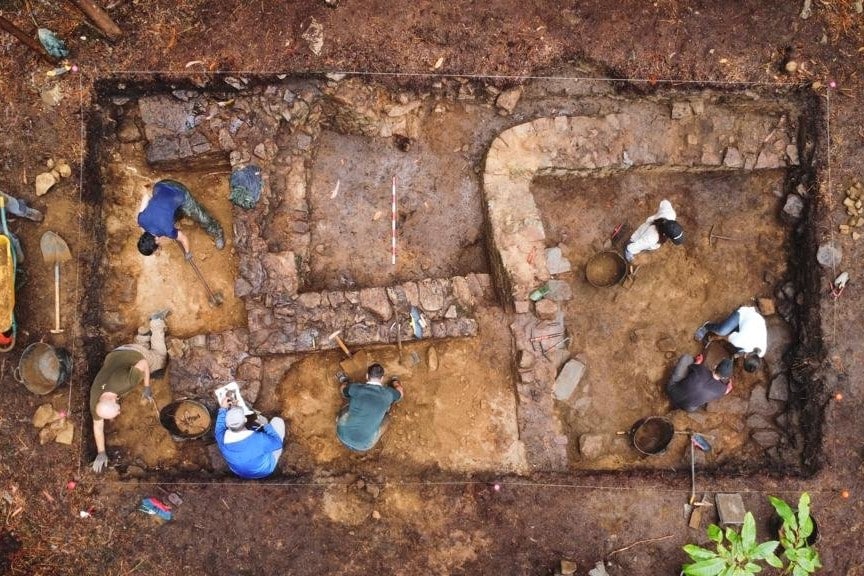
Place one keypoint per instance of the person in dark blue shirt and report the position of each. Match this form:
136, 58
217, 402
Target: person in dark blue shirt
171, 201
362, 422
692, 384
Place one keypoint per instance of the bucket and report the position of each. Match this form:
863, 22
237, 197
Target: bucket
42, 368
651, 436
605, 269
186, 419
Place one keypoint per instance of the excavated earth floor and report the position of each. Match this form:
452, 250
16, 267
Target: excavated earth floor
330, 151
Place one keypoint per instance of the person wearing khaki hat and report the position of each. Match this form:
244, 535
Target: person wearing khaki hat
250, 453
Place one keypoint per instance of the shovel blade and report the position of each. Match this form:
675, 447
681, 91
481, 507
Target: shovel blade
700, 442
355, 366
54, 248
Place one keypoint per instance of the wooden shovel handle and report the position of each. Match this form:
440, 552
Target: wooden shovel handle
342, 345
99, 17
26, 40
57, 298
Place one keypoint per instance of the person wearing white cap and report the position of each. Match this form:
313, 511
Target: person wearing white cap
249, 453
123, 369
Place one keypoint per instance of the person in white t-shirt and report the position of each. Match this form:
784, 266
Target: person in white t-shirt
744, 329
658, 228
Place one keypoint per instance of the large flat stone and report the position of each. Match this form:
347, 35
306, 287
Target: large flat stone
593, 446
375, 300
730, 508
568, 380
779, 388
556, 263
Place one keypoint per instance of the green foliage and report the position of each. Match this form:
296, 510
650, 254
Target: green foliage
735, 555
796, 529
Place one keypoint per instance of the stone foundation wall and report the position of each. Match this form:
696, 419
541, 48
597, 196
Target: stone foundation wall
277, 129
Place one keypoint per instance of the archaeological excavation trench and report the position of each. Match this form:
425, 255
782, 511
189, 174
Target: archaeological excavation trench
497, 194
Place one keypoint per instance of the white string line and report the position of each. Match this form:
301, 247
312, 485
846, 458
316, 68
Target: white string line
501, 483
474, 76
75, 332
830, 225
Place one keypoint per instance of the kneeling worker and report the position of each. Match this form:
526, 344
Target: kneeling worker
693, 385
250, 454
745, 330
123, 369
362, 422
654, 232
172, 200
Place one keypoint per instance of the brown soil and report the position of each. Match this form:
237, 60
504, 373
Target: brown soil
416, 519
459, 417
699, 280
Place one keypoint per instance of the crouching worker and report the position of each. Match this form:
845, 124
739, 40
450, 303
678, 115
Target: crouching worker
363, 420
745, 330
249, 453
124, 368
171, 200
693, 384
654, 232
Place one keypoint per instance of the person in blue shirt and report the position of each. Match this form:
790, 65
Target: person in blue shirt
363, 420
249, 453
171, 201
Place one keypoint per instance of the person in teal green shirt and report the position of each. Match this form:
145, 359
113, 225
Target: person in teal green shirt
363, 420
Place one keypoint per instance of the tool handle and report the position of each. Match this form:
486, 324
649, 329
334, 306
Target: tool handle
342, 346
57, 297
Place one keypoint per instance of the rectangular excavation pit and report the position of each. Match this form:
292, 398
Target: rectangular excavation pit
299, 262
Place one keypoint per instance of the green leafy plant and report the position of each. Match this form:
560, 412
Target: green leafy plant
735, 555
794, 536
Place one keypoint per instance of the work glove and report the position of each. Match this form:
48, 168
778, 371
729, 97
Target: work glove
188, 256
147, 394
100, 462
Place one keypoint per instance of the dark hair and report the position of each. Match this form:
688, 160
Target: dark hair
375, 371
724, 368
147, 244
672, 230
752, 361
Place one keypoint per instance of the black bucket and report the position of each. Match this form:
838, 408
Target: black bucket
187, 419
42, 368
652, 435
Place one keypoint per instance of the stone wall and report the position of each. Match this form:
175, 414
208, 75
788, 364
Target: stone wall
695, 133
277, 129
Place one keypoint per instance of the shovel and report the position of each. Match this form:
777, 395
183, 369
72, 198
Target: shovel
697, 441
354, 365
55, 251
215, 298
